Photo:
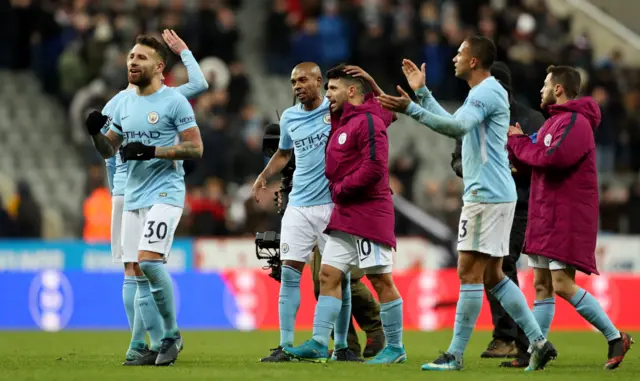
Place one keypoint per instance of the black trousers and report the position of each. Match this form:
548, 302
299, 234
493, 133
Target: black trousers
504, 327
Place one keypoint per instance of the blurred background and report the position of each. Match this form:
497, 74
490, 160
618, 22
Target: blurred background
61, 59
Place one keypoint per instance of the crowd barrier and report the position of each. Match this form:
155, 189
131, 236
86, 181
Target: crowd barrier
220, 285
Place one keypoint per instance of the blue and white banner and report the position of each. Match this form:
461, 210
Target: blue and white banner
34, 255
52, 300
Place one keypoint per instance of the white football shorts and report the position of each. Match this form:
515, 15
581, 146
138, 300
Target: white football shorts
540, 262
149, 229
117, 207
486, 228
303, 227
344, 251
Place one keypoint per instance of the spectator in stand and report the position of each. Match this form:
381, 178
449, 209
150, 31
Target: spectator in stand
606, 133
7, 225
26, 212
306, 45
334, 36
280, 26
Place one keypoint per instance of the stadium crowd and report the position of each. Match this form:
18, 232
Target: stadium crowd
78, 50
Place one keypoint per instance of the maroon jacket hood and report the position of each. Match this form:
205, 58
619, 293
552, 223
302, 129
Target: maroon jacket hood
585, 106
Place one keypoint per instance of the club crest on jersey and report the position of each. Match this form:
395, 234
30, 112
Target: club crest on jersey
547, 140
342, 138
153, 117
327, 119
285, 248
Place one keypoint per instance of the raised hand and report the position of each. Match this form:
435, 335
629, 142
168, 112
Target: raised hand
174, 42
392, 103
416, 77
358, 72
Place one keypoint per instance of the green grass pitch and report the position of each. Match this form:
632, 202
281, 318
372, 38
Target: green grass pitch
96, 356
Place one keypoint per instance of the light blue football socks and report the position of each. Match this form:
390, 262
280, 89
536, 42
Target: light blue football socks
288, 304
344, 317
589, 308
129, 291
162, 290
513, 301
152, 322
543, 311
391, 317
467, 312
129, 288
327, 311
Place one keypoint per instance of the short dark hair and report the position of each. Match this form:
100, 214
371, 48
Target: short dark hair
153, 43
483, 49
338, 72
568, 77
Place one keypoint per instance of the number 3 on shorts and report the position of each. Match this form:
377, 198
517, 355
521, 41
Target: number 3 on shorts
160, 231
364, 248
462, 232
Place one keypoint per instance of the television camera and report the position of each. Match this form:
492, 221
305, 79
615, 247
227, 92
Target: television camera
268, 243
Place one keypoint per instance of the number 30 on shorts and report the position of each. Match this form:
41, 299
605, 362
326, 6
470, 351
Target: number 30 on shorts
160, 231
364, 248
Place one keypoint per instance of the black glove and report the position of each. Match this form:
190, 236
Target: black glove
137, 151
95, 121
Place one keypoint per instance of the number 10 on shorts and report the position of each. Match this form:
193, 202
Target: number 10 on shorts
364, 248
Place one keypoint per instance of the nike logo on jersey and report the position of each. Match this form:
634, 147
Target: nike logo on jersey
140, 154
152, 242
124, 117
293, 129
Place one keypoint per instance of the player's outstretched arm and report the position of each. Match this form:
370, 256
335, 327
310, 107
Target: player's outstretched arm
417, 80
429, 103
457, 126
197, 81
190, 147
466, 119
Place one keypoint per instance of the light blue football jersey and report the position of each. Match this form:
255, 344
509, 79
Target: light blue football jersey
196, 85
483, 121
112, 163
306, 132
154, 120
